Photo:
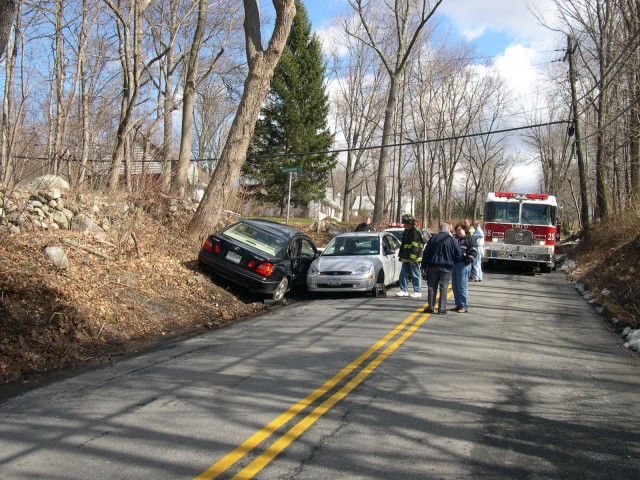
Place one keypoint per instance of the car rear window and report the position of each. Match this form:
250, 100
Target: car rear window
259, 239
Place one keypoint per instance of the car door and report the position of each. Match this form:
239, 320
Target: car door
303, 252
390, 258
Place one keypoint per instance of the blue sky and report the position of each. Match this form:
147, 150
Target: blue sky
491, 25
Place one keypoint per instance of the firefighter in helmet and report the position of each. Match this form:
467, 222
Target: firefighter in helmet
411, 256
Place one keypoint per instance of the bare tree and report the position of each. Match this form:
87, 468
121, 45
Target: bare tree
393, 42
483, 151
192, 80
262, 63
214, 109
596, 22
168, 22
8, 124
630, 11
7, 15
358, 108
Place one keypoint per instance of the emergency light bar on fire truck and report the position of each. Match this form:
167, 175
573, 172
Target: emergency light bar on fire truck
520, 228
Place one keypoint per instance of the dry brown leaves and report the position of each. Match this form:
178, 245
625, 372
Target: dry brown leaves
98, 310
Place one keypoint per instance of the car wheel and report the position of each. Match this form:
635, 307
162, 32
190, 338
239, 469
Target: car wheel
281, 289
379, 288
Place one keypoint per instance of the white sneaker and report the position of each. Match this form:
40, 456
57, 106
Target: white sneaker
416, 295
402, 294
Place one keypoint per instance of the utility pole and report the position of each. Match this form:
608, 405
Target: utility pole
582, 171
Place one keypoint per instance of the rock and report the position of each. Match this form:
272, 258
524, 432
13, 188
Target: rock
67, 213
60, 219
17, 217
58, 256
334, 230
49, 183
84, 223
53, 194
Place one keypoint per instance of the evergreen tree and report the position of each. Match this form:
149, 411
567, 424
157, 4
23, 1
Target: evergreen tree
294, 120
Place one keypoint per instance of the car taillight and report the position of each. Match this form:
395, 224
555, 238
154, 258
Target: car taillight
208, 245
265, 269
251, 264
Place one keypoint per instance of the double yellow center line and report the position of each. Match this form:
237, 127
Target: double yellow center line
261, 461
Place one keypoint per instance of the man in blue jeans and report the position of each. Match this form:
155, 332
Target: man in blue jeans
462, 270
441, 254
410, 255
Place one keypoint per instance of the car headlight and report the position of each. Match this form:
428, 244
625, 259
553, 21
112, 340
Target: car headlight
313, 269
363, 269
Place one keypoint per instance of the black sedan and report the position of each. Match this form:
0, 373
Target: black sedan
265, 257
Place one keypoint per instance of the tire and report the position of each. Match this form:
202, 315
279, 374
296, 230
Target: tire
545, 269
280, 290
379, 288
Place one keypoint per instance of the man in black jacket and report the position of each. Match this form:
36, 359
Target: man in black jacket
365, 226
441, 254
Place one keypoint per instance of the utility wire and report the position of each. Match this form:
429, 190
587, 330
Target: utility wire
342, 150
418, 142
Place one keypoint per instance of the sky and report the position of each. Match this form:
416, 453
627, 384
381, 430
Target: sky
506, 31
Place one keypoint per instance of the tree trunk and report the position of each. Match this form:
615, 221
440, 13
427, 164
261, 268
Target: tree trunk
383, 162
7, 14
179, 181
6, 126
131, 62
582, 171
261, 66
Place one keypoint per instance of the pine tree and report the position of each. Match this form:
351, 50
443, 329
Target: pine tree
294, 120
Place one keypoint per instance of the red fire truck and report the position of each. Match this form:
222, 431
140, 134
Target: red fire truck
521, 228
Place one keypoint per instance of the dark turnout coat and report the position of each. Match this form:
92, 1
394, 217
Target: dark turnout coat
442, 252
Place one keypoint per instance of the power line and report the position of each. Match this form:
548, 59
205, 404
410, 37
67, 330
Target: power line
418, 142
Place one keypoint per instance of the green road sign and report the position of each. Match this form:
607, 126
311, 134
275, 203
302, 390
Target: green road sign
296, 169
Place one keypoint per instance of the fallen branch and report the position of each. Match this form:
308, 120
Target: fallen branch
88, 249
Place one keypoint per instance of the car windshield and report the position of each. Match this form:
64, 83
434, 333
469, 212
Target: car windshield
346, 246
255, 237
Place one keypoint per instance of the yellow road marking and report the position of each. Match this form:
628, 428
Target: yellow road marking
248, 445
298, 429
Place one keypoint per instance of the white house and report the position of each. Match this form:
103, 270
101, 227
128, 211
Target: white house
329, 206
361, 206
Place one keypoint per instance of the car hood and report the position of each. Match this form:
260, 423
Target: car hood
343, 264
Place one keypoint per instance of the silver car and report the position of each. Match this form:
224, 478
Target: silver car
356, 262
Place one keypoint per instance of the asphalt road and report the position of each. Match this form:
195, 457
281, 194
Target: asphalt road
529, 384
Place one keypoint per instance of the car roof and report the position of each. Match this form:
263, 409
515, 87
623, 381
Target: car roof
279, 229
361, 234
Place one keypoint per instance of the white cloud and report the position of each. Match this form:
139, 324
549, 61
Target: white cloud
513, 17
332, 39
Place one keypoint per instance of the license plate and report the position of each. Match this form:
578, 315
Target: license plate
334, 282
234, 257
